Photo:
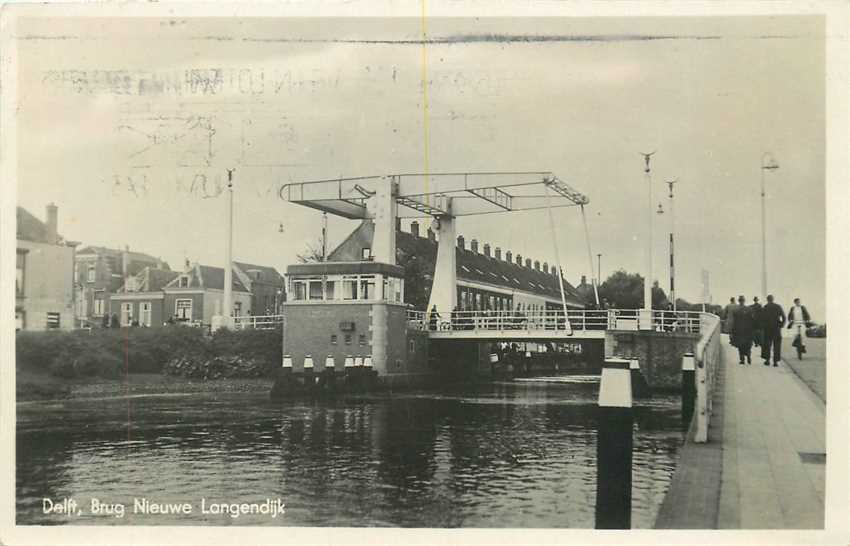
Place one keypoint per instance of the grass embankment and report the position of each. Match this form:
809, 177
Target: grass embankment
57, 364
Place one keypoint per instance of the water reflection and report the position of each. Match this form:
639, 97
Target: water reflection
501, 455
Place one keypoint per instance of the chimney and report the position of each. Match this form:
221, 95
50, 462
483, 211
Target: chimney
186, 263
498, 253
487, 249
554, 271
461, 242
537, 265
52, 224
474, 245
519, 260
528, 263
431, 236
584, 279
125, 261
414, 228
509, 256
546, 267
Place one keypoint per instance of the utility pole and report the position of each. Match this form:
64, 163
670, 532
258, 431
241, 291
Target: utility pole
228, 260
598, 268
670, 184
324, 236
767, 163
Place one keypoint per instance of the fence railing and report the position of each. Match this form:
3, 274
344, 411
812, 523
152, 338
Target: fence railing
553, 319
257, 322
707, 357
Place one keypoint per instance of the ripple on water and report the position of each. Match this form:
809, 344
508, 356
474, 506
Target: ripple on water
509, 455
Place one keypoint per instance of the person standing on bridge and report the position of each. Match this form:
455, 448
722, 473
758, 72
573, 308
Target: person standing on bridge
773, 319
743, 327
799, 319
729, 319
433, 318
756, 309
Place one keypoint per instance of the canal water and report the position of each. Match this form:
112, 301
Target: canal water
512, 454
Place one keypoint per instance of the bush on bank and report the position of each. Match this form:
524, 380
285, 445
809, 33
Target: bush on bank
112, 352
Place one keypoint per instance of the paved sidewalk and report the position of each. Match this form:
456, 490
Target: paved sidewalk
773, 471
812, 368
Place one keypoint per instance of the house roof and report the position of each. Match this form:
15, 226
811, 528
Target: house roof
117, 254
267, 274
30, 228
206, 276
471, 266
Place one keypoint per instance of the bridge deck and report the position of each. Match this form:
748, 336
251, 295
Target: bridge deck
501, 335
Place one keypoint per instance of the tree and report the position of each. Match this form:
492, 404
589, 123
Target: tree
624, 290
415, 291
311, 254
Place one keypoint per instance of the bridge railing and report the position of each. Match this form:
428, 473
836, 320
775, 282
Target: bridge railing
707, 357
553, 319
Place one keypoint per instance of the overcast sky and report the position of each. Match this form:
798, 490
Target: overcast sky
116, 130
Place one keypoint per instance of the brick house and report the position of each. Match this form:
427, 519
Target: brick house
100, 272
142, 299
196, 294
44, 273
266, 285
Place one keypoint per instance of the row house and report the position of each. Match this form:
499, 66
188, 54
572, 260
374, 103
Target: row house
99, 272
44, 266
154, 296
486, 278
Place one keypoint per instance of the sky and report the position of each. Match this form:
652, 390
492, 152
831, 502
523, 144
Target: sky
129, 126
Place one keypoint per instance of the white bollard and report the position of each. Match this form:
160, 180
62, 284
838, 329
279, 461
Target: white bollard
614, 446
358, 361
329, 362
367, 362
287, 361
308, 362
349, 361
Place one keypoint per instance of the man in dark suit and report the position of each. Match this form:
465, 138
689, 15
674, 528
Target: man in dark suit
773, 319
743, 327
756, 308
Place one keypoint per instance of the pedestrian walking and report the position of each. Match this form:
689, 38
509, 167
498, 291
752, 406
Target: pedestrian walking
799, 319
756, 309
743, 328
773, 319
729, 318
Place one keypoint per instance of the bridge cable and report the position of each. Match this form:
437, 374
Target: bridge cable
593, 281
568, 327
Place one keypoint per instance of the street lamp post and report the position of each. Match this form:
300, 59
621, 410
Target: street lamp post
767, 163
598, 269
227, 302
646, 318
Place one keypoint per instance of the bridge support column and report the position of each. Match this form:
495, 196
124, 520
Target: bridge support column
444, 287
384, 210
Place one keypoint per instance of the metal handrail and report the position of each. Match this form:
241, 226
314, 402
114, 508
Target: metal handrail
553, 319
257, 322
707, 358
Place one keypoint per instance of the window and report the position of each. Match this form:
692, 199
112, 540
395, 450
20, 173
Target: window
348, 339
91, 274
349, 288
333, 339
126, 314
53, 320
367, 288
366, 253
145, 313
299, 290
184, 281
76, 272
237, 308
132, 285
362, 340
411, 346
20, 260
316, 290
330, 290
183, 309
98, 305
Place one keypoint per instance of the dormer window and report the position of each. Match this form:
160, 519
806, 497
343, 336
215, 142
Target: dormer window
184, 281
366, 253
